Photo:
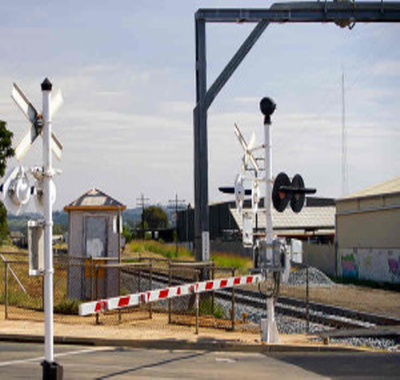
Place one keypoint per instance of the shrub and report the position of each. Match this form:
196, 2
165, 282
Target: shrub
67, 306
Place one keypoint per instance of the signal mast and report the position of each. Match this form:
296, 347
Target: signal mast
17, 192
270, 256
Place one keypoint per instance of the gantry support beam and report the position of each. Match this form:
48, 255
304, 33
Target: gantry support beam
341, 13
303, 12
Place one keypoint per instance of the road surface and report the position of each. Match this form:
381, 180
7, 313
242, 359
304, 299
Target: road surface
22, 360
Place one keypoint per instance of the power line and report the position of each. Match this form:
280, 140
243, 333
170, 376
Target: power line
176, 204
344, 141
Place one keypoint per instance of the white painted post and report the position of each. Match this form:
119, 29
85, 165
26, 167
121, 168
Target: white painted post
268, 189
272, 330
48, 229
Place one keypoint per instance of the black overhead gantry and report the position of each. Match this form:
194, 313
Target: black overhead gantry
342, 13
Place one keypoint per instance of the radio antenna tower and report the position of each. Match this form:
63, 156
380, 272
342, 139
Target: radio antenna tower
345, 180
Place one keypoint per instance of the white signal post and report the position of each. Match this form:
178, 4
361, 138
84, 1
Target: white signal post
48, 217
268, 188
272, 331
40, 124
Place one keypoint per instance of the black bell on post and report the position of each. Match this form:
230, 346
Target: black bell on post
267, 107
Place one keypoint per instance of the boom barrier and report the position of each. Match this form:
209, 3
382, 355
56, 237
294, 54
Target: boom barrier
137, 299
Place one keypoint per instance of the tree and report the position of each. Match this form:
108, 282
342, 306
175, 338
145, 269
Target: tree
6, 151
127, 232
58, 229
3, 224
155, 217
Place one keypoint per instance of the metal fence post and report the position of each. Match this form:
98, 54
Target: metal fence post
151, 287
197, 312
97, 292
119, 291
91, 278
42, 292
169, 301
6, 290
307, 302
213, 292
233, 304
197, 305
139, 280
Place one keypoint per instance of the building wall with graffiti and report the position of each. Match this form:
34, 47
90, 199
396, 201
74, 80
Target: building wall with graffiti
381, 265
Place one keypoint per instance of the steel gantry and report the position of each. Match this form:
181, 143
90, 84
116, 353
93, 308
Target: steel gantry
342, 13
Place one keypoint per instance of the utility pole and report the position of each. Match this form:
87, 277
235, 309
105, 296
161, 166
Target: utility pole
176, 204
141, 202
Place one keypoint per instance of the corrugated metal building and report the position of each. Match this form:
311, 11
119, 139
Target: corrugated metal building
368, 233
315, 221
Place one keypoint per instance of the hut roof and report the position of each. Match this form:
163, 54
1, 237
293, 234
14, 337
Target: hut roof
95, 199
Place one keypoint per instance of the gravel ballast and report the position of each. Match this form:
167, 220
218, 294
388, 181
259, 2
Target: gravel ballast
298, 277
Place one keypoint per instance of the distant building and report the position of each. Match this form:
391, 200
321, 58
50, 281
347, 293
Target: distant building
368, 233
94, 221
18, 238
316, 222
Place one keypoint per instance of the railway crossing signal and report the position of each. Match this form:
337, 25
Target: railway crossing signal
285, 191
36, 120
269, 254
17, 191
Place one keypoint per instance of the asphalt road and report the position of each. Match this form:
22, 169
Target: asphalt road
19, 361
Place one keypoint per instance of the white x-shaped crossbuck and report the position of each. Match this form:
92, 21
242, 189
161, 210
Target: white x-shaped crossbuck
35, 118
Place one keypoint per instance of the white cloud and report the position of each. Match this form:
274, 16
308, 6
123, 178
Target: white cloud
390, 68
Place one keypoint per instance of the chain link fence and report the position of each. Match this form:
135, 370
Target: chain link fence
78, 280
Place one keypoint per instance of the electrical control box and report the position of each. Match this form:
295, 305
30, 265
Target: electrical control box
36, 247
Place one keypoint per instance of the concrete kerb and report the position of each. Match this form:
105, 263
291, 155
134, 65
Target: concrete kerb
172, 344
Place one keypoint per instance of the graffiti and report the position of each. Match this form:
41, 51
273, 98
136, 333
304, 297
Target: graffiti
349, 266
394, 266
377, 264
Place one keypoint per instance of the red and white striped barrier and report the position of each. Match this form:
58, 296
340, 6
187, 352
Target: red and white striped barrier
161, 294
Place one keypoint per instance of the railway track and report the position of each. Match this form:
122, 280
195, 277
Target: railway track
323, 314
327, 315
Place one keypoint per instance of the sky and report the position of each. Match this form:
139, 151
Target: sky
126, 70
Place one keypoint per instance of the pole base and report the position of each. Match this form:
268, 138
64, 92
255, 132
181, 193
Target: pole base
269, 329
52, 371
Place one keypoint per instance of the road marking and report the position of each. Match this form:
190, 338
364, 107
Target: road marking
12, 362
225, 360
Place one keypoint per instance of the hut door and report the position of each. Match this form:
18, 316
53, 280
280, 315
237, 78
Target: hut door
96, 247
96, 236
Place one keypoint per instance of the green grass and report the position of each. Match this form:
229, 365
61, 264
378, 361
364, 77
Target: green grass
21, 299
162, 249
226, 260
229, 260
205, 308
